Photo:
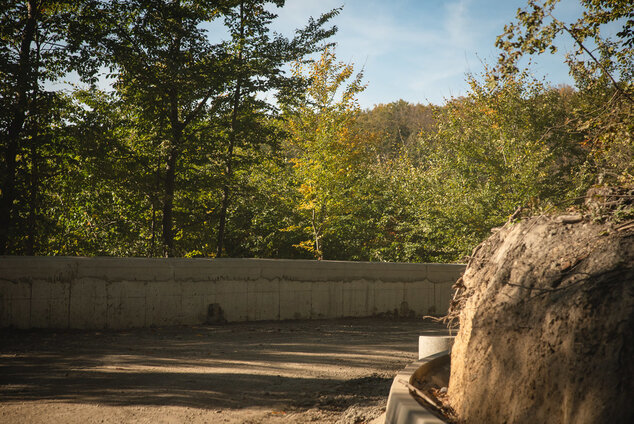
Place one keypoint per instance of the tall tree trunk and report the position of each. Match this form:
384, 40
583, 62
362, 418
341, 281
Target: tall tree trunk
34, 187
155, 199
317, 237
170, 177
177, 128
226, 191
168, 200
16, 126
223, 218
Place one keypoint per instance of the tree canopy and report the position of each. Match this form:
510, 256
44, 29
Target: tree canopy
251, 144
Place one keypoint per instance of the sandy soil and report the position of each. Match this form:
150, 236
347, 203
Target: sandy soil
546, 325
335, 371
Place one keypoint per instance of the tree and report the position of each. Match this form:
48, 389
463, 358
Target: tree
107, 199
256, 66
499, 148
603, 69
34, 49
163, 62
538, 27
325, 146
398, 124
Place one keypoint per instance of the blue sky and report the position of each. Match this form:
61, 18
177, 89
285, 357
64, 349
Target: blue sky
420, 50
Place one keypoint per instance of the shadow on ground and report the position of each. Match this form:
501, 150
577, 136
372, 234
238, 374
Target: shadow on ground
328, 365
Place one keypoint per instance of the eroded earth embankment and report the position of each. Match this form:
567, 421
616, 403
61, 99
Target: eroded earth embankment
546, 312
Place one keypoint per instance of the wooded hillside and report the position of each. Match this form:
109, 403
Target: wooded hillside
256, 146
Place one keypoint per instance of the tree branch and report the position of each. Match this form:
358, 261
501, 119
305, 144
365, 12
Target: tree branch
603, 68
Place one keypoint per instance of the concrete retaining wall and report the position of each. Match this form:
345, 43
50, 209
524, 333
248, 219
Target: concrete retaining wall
71, 292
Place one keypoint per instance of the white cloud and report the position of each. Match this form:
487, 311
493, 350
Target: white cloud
417, 50
418, 59
457, 23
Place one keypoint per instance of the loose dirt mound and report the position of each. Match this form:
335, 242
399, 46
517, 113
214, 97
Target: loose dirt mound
547, 325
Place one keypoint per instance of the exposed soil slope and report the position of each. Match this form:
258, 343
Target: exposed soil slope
547, 325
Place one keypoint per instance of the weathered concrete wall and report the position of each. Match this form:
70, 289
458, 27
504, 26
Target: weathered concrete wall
71, 292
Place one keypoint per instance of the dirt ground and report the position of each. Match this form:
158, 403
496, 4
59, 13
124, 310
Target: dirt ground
326, 371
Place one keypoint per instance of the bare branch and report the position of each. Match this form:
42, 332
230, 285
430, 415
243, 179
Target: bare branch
603, 68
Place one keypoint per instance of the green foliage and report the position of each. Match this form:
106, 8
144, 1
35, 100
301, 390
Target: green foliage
603, 69
537, 28
189, 155
398, 125
34, 39
326, 148
255, 66
494, 151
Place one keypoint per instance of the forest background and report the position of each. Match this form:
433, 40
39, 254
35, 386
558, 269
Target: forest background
255, 145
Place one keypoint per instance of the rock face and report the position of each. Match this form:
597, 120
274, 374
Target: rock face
547, 325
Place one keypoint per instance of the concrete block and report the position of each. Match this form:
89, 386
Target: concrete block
88, 304
125, 304
275, 269
56, 268
388, 297
126, 269
431, 345
195, 297
15, 304
358, 298
163, 303
140, 291
49, 304
232, 298
308, 271
387, 271
263, 300
401, 406
443, 293
233, 269
295, 300
419, 296
326, 299
442, 273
